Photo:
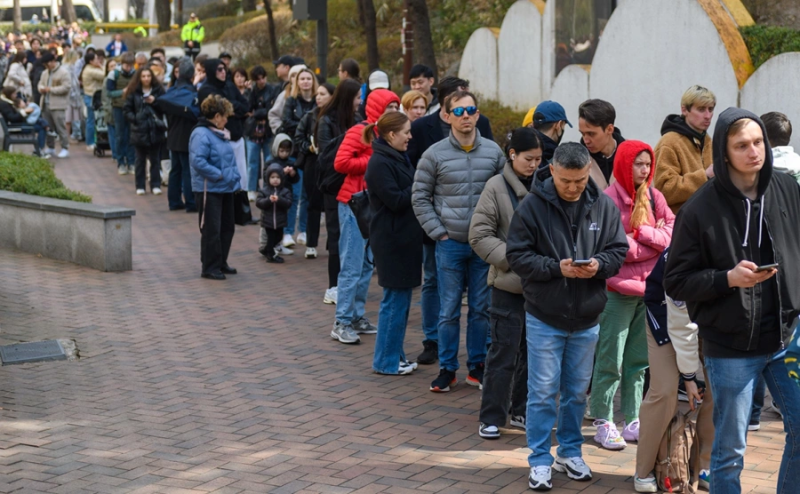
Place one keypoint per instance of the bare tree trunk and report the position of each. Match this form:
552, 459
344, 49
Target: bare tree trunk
775, 12
18, 16
273, 38
248, 5
371, 34
68, 12
423, 41
163, 15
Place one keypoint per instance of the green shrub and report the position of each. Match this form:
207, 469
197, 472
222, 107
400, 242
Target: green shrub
31, 175
502, 118
764, 42
215, 10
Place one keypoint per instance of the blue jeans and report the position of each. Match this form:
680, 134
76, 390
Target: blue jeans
41, 136
758, 400
90, 138
126, 153
458, 266
180, 182
558, 361
429, 299
355, 261
732, 382
392, 322
112, 142
254, 154
298, 196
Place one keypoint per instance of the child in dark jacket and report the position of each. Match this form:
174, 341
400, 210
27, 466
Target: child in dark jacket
274, 200
281, 155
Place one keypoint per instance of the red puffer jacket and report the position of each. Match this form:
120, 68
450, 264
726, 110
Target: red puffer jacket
354, 154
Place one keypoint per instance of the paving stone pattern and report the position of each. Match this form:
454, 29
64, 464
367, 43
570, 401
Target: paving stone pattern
191, 385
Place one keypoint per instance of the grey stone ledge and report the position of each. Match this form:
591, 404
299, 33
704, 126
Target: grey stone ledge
64, 206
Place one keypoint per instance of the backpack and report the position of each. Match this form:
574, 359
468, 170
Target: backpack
329, 181
677, 462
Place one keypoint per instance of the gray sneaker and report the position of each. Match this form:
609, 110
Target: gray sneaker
363, 326
344, 333
131, 170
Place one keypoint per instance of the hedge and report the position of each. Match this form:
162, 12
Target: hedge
764, 42
35, 176
502, 118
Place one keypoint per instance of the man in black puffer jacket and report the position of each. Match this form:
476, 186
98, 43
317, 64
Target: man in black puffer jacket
744, 218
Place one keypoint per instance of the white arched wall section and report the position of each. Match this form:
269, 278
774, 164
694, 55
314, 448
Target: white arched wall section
769, 89
643, 67
570, 89
479, 62
520, 55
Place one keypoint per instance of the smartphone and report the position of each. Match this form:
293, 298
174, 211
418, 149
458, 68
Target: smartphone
765, 267
581, 262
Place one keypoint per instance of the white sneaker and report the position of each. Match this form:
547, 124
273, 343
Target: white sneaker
90, 147
311, 253
63, 154
140, 192
647, 484
608, 436
301, 238
539, 479
406, 368
518, 421
288, 241
330, 296
630, 432
251, 196
156, 191
49, 151
122, 170
575, 468
283, 250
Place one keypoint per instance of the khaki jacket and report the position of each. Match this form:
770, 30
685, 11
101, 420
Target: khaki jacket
680, 167
683, 333
59, 87
92, 79
488, 228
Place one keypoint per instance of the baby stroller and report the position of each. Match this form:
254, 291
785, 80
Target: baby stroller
101, 127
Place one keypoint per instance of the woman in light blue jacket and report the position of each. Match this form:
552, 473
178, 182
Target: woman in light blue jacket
214, 180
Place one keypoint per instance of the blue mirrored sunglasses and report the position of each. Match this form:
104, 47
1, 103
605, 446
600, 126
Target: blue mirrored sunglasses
459, 112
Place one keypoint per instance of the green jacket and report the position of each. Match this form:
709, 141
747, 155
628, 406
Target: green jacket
193, 31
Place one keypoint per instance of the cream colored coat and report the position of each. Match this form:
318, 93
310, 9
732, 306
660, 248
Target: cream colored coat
59, 87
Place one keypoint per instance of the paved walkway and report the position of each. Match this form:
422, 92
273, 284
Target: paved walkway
190, 385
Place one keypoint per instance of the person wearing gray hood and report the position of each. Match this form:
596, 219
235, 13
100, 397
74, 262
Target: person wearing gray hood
735, 261
180, 106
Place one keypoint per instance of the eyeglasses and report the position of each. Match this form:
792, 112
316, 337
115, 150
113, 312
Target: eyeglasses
459, 112
220, 69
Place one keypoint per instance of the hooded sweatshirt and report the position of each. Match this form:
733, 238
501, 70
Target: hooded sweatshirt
683, 155
283, 163
647, 241
353, 154
275, 215
719, 227
227, 90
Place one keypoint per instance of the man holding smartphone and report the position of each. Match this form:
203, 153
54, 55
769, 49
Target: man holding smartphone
735, 261
565, 240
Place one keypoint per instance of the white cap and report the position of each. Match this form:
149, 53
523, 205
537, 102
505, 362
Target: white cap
378, 80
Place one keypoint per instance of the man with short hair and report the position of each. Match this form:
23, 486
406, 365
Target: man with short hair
192, 35
226, 59
448, 183
160, 54
565, 240
600, 136
426, 132
282, 67
116, 82
779, 133
550, 120
54, 87
735, 261
259, 135
422, 79
683, 153
116, 47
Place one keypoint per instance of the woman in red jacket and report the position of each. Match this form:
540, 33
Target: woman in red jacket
355, 256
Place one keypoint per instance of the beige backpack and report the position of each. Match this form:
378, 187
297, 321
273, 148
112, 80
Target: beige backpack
677, 463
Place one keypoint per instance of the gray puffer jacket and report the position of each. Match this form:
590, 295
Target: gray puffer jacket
448, 183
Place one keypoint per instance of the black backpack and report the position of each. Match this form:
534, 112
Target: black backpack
329, 181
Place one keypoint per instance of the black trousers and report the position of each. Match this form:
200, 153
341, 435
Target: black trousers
273, 238
315, 201
153, 153
505, 379
217, 229
332, 227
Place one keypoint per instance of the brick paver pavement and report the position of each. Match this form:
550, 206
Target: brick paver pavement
191, 385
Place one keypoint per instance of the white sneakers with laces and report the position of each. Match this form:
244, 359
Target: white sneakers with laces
608, 436
647, 484
331, 295
574, 467
288, 241
539, 478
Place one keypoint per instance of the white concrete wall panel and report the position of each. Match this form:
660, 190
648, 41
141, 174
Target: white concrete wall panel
571, 88
520, 56
650, 53
773, 87
479, 63
548, 48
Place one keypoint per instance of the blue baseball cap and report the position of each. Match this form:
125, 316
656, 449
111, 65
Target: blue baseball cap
550, 111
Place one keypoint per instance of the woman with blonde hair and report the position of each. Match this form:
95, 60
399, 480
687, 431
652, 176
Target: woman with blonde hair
275, 115
415, 104
74, 113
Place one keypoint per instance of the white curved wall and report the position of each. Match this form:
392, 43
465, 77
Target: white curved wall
571, 88
650, 53
520, 56
548, 67
773, 87
479, 63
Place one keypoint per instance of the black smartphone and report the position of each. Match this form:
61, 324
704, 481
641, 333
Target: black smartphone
766, 267
581, 262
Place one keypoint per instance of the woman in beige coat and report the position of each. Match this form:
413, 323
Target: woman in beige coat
18, 77
505, 379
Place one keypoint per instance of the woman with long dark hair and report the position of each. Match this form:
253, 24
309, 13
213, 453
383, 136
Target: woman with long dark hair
338, 115
148, 130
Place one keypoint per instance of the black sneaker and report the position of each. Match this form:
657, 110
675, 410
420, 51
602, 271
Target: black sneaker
275, 259
430, 353
475, 377
487, 431
442, 383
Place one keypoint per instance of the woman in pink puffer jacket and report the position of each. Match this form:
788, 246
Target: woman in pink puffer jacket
621, 354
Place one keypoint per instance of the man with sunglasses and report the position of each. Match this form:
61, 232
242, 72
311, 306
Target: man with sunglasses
448, 183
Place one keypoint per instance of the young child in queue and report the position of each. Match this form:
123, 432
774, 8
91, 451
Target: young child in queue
274, 217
